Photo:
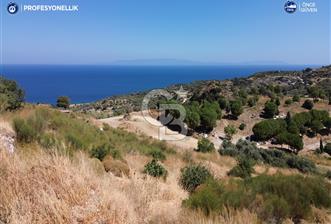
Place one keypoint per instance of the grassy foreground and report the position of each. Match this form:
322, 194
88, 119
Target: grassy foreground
67, 170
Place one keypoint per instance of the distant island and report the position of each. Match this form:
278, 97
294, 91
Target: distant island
180, 62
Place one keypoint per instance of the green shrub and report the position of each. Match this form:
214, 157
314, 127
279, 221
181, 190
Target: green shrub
208, 118
252, 101
288, 102
207, 199
204, 145
327, 123
275, 209
302, 164
223, 102
308, 104
270, 109
274, 198
25, 133
293, 140
63, 102
192, 176
157, 154
192, 118
106, 127
275, 157
296, 98
242, 126
11, 95
249, 150
236, 108
302, 119
115, 154
267, 129
328, 174
327, 148
243, 169
75, 141
100, 152
47, 140
154, 169
228, 149
230, 130
299, 192
316, 126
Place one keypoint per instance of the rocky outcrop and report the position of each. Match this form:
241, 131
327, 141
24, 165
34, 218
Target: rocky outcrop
7, 140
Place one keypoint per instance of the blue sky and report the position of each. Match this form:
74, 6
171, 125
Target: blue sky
211, 31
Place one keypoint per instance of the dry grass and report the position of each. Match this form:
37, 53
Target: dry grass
47, 188
228, 216
38, 187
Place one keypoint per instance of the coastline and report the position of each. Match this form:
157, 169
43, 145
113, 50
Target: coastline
91, 83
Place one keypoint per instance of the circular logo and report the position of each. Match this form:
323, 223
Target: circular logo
290, 7
12, 8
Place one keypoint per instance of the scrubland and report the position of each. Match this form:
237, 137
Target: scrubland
65, 180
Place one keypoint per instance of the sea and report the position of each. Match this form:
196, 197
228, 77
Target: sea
88, 83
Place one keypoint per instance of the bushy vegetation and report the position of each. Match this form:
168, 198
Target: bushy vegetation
63, 102
242, 126
236, 108
296, 98
155, 169
274, 157
230, 130
66, 132
270, 109
192, 176
274, 198
287, 131
157, 154
203, 115
252, 101
25, 132
308, 104
268, 129
11, 95
327, 148
243, 169
101, 151
328, 174
208, 116
204, 145
288, 102
312, 122
293, 140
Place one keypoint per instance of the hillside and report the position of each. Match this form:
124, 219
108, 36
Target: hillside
257, 150
286, 83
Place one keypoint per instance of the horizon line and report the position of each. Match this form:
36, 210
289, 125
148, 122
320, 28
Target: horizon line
151, 65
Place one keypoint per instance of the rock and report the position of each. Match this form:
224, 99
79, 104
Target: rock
116, 167
7, 140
